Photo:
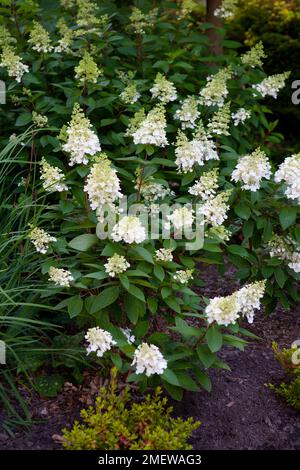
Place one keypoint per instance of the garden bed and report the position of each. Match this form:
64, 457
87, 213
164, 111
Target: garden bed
241, 412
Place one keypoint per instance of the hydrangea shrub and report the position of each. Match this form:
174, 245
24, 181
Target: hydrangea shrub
116, 114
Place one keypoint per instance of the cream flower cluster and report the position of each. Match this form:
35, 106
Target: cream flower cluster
130, 94
243, 303
206, 186
249, 298
227, 9
148, 358
183, 276
99, 341
67, 35
215, 91
87, 70
152, 191
140, 21
41, 239
285, 249
240, 116
13, 63
81, 140
60, 277
116, 264
219, 123
151, 130
289, 172
182, 218
214, 210
39, 119
129, 229
102, 185
164, 254
294, 263
251, 169
163, 90
271, 86
52, 177
39, 38
193, 152
254, 57
188, 113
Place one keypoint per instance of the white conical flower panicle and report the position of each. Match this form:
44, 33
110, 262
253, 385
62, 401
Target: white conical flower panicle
129, 229
206, 186
102, 185
81, 142
116, 264
289, 173
215, 91
13, 63
39, 38
271, 86
99, 341
227, 310
249, 297
52, 177
40, 239
214, 210
151, 130
223, 310
253, 58
219, 123
60, 277
251, 169
227, 9
163, 90
240, 116
188, 113
148, 358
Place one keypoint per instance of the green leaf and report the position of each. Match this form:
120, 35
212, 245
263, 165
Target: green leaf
75, 305
242, 211
170, 377
124, 281
185, 329
173, 304
205, 355
138, 293
186, 382
23, 119
280, 277
143, 253
83, 242
238, 250
159, 272
152, 304
107, 297
214, 338
287, 217
133, 307
203, 380
175, 392
49, 385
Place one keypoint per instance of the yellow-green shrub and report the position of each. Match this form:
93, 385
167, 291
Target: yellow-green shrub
117, 423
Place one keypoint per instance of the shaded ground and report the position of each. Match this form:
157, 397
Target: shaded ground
239, 413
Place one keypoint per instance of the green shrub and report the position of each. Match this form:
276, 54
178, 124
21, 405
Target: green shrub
277, 25
116, 423
288, 390
83, 75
